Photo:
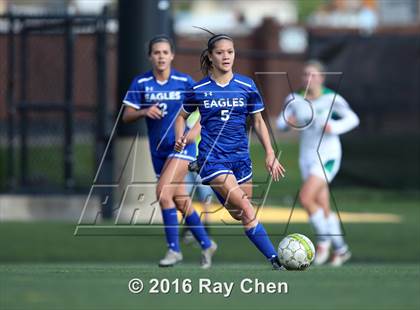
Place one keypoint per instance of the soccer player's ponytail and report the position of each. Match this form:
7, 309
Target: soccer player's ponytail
205, 62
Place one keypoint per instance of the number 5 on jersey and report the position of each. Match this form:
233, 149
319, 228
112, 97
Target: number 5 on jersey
224, 115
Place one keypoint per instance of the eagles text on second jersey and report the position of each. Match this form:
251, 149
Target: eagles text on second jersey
146, 91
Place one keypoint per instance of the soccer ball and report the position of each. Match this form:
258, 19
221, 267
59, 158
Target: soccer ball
296, 252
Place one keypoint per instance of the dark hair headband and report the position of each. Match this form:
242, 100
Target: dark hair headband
218, 37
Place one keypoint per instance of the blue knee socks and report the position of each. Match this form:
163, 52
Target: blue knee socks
170, 220
259, 237
197, 229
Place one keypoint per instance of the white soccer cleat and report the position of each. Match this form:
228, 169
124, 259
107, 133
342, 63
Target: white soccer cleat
207, 254
171, 258
322, 253
339, 259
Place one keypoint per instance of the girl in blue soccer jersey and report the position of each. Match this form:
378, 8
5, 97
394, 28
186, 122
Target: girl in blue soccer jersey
225, 100
158, 95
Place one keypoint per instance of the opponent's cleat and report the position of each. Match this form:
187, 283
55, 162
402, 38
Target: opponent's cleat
207, 254
322, 253
338, 259
276, 264
171, 258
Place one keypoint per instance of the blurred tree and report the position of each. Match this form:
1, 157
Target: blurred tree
306, 8
183, 6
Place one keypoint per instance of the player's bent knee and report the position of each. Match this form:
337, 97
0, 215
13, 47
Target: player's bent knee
183, 205
248, 211
236, 214
305, 199
244, 211
236, 211
165, 200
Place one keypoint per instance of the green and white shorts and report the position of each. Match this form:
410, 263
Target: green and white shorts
327, 169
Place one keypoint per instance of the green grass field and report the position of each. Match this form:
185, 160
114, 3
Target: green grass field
44, 266
104, 286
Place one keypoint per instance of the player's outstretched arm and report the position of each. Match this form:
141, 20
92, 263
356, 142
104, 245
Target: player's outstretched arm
272, 164
131, 114
347, 121
180, 139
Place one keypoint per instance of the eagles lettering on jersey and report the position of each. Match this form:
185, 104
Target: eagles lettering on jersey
146, 91
224, 102
224, 110
151, 96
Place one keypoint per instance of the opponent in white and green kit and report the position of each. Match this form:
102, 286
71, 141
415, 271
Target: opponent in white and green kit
342, 120
308, 111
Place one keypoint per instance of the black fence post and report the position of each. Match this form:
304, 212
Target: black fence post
11, 109
69, 105
102, 113
23, 119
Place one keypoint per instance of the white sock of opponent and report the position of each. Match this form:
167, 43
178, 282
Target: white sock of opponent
334, 230
320, 225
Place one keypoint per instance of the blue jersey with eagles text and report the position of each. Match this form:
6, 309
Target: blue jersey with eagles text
146, 91
224, 110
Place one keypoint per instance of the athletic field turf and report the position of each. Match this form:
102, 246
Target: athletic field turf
104, 286
44, 266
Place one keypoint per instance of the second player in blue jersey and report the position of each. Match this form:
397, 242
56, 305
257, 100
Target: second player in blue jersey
158, 96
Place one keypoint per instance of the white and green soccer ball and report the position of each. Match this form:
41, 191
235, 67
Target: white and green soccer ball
296, 252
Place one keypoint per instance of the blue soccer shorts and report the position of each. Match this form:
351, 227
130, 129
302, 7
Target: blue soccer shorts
189, 153
241, 169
